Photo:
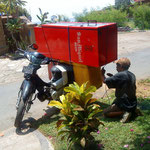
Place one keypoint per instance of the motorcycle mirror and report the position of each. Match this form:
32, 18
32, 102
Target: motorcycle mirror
34, 46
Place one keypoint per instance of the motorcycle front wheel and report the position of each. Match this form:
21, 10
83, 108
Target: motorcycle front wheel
22, 108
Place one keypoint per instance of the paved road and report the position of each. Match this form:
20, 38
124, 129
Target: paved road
8, 92
8, 98
140, 64
11, 78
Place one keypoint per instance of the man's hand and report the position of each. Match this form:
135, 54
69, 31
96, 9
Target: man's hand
109, 74
103, 71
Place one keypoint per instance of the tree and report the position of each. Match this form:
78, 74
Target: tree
122, 3
13, 26
2, 8
12, 6
141, 16
5, 8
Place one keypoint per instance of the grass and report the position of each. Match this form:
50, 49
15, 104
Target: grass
134, 135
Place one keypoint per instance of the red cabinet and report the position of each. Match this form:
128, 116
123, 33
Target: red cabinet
88, 44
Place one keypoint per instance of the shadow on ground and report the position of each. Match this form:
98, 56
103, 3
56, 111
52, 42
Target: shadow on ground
30, 124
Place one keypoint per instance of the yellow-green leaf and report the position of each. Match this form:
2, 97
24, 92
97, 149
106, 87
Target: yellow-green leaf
56, 104
70, 89
93, 113
62, 132
76, 86
62, 98
90, 90
87, 98
61, 126
78, 109
92, 101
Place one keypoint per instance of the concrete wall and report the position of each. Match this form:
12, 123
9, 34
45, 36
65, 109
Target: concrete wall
3, 46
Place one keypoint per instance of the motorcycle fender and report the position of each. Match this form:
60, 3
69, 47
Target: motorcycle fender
28, 88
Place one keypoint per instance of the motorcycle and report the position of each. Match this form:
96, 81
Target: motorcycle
34, 87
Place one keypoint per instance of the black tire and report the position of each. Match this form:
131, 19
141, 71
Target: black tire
22, 108
20, 113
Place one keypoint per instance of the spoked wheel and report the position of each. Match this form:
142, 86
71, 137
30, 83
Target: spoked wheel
22, 108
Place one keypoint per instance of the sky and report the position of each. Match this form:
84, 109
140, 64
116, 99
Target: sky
64, 7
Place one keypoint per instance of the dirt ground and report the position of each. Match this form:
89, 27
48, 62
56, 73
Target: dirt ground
129, 42
143, 88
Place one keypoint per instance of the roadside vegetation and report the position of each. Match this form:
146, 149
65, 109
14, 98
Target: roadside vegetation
134, 135
132, 15
13, 9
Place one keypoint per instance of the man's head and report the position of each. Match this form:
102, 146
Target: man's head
123, 64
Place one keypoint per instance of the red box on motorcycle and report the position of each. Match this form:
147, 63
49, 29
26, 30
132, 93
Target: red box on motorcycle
92, 44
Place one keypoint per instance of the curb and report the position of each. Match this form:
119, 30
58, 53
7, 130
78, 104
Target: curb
36, 140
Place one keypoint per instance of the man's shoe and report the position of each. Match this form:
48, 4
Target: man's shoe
126, 117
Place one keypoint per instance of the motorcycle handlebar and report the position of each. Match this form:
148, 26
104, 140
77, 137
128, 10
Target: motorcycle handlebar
45, 61
21, 50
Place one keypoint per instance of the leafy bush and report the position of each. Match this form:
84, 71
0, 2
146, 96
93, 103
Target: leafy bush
111, 15
13, 26
79, 110
141, 16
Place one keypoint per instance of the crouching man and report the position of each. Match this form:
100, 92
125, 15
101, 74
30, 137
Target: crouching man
124, 83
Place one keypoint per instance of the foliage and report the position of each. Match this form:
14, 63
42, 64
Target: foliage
12, 6
108, 15
123, 4
23, 43
2, 8
141, 16
43, 17
24, 12
7, 8
79, 110
63, 18
14, 25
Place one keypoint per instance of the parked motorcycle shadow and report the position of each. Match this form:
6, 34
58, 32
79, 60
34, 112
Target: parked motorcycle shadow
51, 115
26, 127
30, 124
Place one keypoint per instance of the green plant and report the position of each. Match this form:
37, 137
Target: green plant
23, 43
12, 6
13, 26
2, 8
141, 16
43, 17
108, 15
78, 109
